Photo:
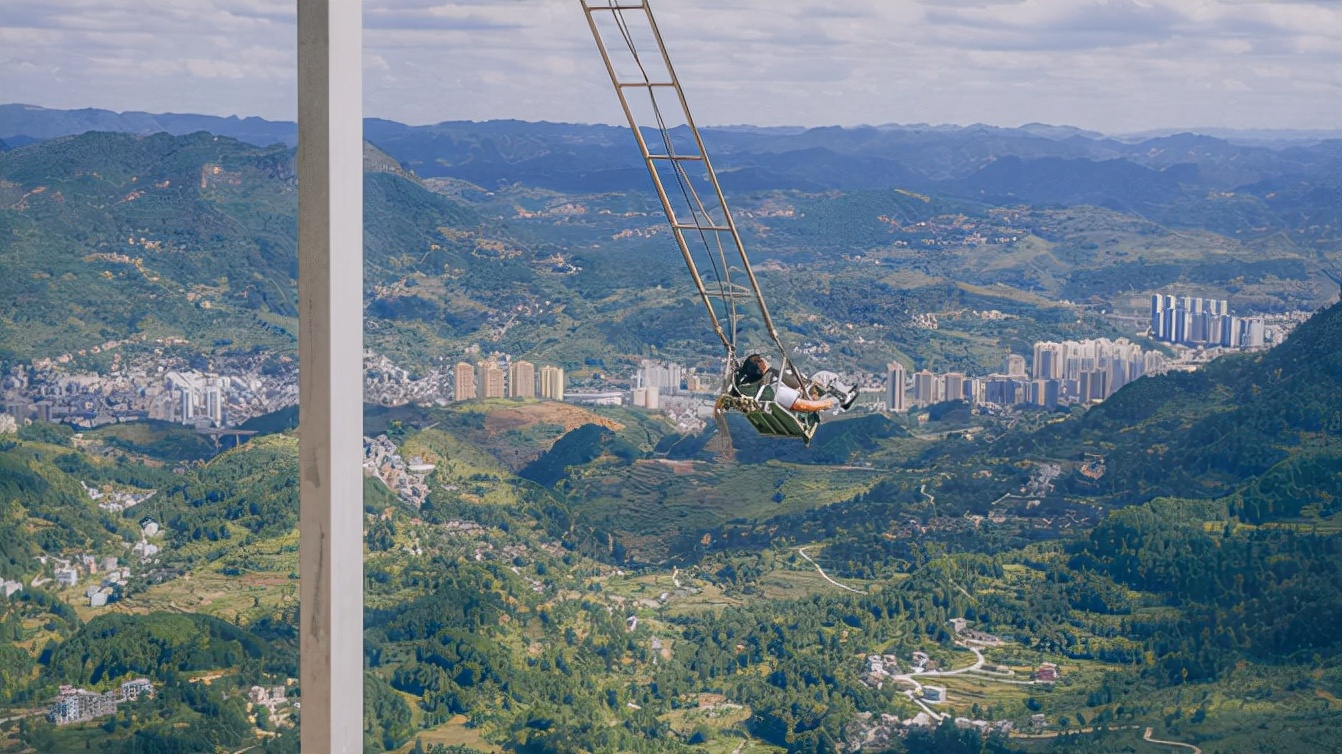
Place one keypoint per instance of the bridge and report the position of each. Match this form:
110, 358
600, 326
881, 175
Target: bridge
238, 435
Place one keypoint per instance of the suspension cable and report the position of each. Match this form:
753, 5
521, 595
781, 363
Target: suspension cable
686, 187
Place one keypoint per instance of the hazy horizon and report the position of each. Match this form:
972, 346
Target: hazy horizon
1167, 130
1112, 66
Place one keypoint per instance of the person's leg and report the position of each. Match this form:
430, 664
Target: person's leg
830, 384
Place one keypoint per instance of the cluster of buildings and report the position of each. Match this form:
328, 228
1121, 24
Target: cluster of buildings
152, 387
515, 379
402, 476
660, 377
191, 398
675, 391
238, 388
114, 576
76, 705
114, 500
1071, 372
269, 698
144, 549
880, 667
655, 380
160, 385
386, 384
1203, 322
870, 732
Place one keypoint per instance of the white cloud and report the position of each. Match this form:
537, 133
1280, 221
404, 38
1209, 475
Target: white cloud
1113, 65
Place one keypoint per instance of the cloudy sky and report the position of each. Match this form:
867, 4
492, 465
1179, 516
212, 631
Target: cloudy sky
1116, 66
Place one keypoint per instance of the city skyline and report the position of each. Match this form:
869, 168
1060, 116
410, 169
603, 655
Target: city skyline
1115, 66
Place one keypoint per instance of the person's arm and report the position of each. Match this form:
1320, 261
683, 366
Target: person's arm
801, 405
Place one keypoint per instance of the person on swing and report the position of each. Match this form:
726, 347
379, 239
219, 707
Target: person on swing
756, 379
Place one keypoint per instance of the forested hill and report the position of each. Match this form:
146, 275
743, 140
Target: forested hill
108, 236
1202, 433
1257, 437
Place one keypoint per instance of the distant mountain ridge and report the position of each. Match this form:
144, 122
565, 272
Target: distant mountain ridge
30, 122
1052, 164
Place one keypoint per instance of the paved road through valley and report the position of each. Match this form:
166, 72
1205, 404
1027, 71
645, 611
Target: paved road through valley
802, 550
1147, 737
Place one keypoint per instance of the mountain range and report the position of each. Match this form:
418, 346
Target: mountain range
1063, 165
592, 579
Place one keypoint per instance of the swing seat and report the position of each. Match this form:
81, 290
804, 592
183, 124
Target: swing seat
769, 417
774, 420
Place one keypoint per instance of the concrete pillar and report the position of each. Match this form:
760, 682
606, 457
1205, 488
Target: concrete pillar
330, 375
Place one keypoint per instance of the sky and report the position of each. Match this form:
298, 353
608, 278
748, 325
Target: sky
1115, 66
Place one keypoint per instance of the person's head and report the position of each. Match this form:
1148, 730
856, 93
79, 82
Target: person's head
752, 369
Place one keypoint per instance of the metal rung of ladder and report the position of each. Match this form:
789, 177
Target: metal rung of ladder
657, 56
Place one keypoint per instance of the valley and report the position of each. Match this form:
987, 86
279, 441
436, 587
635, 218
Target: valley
1155, 569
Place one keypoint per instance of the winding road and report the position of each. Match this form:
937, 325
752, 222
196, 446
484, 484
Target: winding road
802, 551
976, 669
1147, 738
914, 692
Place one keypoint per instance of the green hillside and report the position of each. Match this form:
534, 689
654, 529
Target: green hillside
506, 603
588, 580
113, 237
1203, 433
45, 509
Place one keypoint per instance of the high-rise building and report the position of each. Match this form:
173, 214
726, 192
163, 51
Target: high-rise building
698, 383
1005, 391
647, 397
187, 404
552, 383
214, 406
1094, 385
1015, 365
1117, 376
665, 378
895, 400
952, 386
1253, 336
1182, 320
465, 382
925, 387
978, 391
1199, 326
522, 380
1048, 360
489, 380
1230, 332
1044, 393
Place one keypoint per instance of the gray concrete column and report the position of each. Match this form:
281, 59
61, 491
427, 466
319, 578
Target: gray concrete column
330, 374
